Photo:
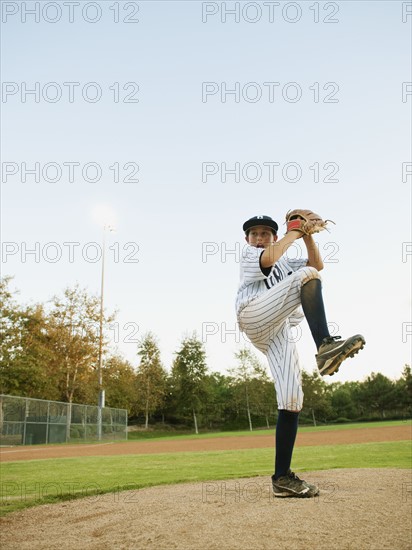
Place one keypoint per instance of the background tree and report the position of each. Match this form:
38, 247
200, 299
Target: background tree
378, 393
73, 335
245, 380
263, 391
316, 401
120, 384
403, 392
189, 382
151, 377
217, 407
73, 331
24, 351
343, 401
11, 328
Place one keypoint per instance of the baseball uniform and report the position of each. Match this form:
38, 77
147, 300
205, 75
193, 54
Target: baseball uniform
268, 307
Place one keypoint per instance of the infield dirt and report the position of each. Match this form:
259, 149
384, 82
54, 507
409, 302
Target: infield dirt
357, 509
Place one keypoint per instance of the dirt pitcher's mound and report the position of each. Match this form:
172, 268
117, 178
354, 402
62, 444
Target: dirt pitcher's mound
356, 509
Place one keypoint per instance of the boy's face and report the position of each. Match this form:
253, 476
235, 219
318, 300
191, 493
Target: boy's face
261, 236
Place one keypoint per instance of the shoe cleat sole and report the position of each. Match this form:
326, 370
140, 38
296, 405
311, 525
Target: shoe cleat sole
290, 495
342, 356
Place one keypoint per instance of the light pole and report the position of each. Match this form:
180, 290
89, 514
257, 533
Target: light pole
100, 405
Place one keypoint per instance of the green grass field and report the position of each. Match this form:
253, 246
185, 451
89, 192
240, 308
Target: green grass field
34, 482
142, 435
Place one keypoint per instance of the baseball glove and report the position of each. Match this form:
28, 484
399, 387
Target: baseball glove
305, 221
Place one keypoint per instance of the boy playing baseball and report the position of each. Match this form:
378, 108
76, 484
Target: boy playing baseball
275, 294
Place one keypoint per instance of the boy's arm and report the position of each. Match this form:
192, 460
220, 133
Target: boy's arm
273, 252
314, 257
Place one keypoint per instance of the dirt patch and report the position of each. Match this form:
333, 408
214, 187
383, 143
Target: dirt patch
333, 437
367, 509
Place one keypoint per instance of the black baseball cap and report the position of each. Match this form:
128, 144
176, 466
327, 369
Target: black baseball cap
260, 220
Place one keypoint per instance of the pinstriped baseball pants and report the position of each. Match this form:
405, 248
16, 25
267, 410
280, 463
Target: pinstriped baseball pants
267, 322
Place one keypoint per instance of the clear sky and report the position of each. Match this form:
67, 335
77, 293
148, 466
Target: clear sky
185, 119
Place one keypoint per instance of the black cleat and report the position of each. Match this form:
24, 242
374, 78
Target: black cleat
291, 486
334, 350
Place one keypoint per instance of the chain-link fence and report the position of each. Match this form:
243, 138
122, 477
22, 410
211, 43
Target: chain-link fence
25, 421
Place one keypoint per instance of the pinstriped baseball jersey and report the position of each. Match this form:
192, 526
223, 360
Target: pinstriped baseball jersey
268, 306
254, 280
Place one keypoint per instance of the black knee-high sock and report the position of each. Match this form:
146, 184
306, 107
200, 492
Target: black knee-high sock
286, 429
314, 310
